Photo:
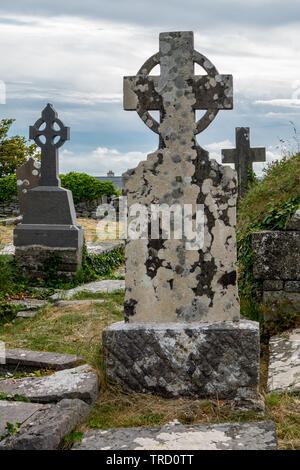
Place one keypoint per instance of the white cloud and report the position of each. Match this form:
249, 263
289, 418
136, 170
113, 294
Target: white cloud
286, 103
99, 161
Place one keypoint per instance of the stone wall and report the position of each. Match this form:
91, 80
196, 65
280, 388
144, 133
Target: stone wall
277, 261
83, 209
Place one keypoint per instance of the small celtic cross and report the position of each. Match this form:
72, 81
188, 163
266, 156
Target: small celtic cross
44, 127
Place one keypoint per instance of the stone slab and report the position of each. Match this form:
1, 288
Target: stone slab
294, 222
294, 297
16, 412
94, 287
11, 221
99, 248
203, 360
54, 236
71, 303
48, 426
276, 255
229, 436
8, 249
79, 382
284, 366
40, 360
30, 304
27, 314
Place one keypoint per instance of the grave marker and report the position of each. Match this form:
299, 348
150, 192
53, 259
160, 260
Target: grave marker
243, 156
28, 176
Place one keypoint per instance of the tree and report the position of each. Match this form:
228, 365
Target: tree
14, 151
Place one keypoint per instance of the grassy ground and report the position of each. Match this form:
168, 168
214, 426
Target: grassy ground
77, 330
91, 233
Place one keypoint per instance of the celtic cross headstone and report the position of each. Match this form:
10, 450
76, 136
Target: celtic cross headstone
243, 156
182, 328
49, 220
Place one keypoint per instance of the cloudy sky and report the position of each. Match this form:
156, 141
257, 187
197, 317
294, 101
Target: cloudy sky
74, 54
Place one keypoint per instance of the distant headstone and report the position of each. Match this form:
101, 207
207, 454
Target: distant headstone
49, 220
27, 178
243, 156
182, 335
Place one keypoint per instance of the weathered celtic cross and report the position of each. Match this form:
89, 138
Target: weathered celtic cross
211, 92
49, 148
243, 156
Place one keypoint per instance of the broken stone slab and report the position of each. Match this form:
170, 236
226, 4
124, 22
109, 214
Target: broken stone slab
27, 314
11, 221
99, 248
79, 382
94, 287
284, 365
15, 412
23, 359
8, 249
203, 360
47, 427
29, 304
229, 436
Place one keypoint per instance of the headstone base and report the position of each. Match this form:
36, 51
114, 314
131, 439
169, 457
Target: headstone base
34, 261
217, 360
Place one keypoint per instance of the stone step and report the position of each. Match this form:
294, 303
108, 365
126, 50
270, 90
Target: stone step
229, 436
94, 287
284, 363
43, 426
79, 382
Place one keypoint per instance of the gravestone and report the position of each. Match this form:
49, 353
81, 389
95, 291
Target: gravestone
243, 156
49, 225
28, 176
182, 335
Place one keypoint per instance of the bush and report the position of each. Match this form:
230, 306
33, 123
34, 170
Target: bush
85, 187
8, 188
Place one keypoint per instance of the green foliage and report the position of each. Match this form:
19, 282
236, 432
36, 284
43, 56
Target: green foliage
283, 316
8, 188
7, 397
268, 206
14, 151
85, 187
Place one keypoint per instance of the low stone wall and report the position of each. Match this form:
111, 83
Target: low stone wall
83, 209
277, 262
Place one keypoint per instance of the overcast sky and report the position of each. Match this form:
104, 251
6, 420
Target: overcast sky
74, 55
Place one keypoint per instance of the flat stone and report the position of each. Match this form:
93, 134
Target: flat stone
48, 426
229, 436
8, 249
294, 222
272, 285
27, 314
11, 221
40, 360
100, 248
94, 287
79, 382
30, 304
203, 360
284, 366
16, 412
276, 255
292, 286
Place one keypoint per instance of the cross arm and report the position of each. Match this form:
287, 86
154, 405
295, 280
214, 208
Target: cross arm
140, 91
258, 154
228, 155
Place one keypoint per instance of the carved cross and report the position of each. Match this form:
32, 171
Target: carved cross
243, 156
211, 92
44, 127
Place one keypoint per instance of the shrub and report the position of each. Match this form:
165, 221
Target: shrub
85, 187
8, 188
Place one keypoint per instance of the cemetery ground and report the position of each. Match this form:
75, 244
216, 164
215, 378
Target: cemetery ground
77, 329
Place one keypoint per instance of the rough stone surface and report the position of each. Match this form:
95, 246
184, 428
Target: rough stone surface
79, 382
94, 287
27, 360
169, 280
294, 222
45, 229
100, 248
70, 303
272, 285
243, 156
292, 286
276, 255
16, 412
11, 221
28, 176
215, 360
294, 297
284, 365
30, 304
47, 427
229, 436
8, 249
